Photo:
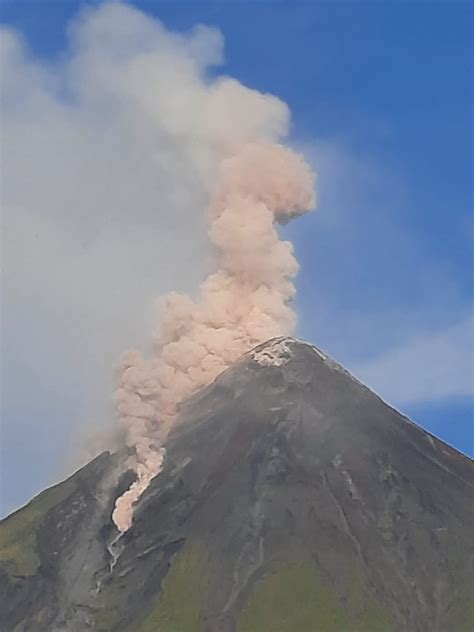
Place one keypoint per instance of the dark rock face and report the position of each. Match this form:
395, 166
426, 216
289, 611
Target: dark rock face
292, 499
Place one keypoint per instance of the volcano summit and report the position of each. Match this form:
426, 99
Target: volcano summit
292, 499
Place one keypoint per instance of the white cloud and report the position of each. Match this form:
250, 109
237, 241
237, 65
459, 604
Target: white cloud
430, 366
370, 280
108, 153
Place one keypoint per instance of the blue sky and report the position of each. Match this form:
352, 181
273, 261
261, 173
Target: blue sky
381, 103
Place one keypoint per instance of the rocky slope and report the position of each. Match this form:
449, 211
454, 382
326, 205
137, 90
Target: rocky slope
293, 499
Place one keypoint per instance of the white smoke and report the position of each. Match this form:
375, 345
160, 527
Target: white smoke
243, 302
118, 154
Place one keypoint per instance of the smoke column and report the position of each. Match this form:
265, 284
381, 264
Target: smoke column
243, 302
139, 123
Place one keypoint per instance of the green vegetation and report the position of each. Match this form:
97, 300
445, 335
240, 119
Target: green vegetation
184, 589
293, 598
469, 615
18, 531
371, 617
289, 599
364, 613
107, 619
466, 608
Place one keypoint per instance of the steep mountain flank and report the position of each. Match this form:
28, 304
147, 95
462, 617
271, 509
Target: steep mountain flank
293, 499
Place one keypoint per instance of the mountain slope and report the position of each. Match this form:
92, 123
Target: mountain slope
292, 499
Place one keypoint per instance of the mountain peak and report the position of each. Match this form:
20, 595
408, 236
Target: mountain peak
290, 492
279, 351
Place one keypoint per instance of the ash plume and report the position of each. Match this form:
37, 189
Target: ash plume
176, 170
159, 149
244, 301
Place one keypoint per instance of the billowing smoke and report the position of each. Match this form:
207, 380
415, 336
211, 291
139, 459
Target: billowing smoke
133, 145
146, 169
243, 302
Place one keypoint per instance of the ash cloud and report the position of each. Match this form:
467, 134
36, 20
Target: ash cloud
145, 174
243, 302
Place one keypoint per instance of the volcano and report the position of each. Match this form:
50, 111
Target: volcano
292, 499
